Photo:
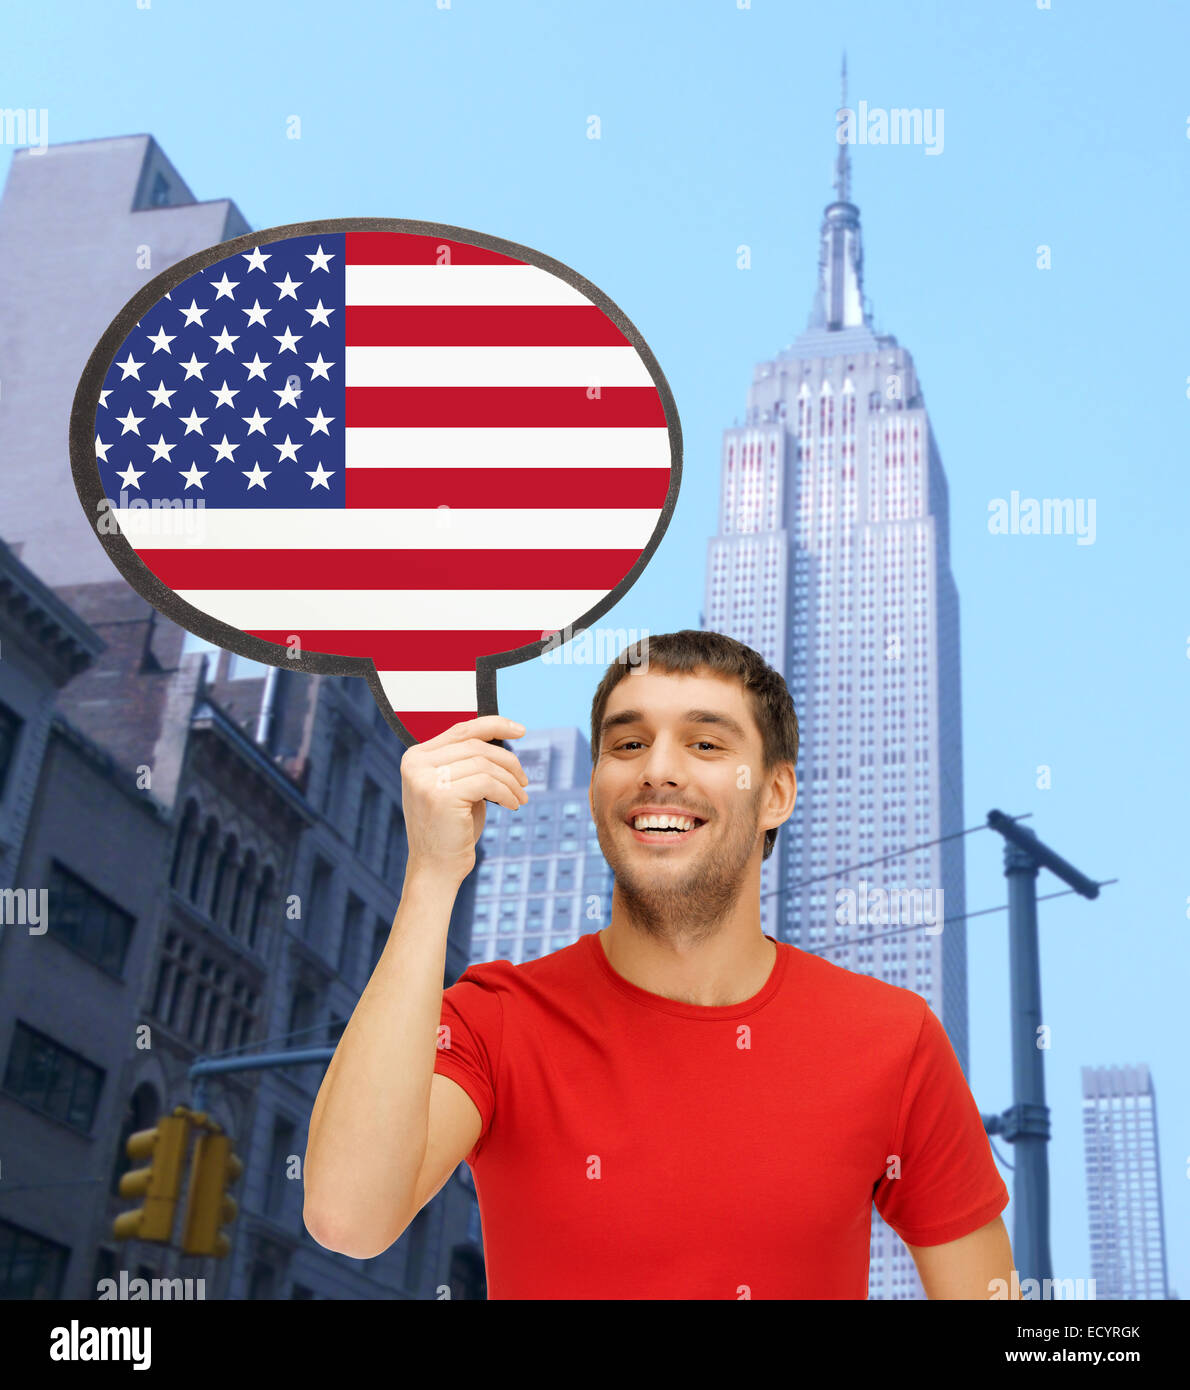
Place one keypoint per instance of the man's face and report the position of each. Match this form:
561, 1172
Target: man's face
686, 745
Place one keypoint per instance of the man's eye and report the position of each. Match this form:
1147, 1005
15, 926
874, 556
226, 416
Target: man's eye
706, 743
628, 744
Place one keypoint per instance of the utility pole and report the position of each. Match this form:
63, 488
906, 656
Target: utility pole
1026, 1123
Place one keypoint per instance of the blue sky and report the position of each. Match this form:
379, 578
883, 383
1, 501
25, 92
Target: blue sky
1064, 127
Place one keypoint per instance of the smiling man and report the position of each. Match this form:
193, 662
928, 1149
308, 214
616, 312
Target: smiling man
677, 1105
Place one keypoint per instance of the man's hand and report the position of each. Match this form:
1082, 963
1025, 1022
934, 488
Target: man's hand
444, 782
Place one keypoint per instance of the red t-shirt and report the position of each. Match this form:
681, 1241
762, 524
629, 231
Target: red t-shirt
637, 1147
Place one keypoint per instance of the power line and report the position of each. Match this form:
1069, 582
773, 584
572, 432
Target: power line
916, 926
897, 854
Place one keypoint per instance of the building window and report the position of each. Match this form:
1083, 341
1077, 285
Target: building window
10, 729
261, 902
224, 870
349, 941
336, 779
160, 192
205, 846
86, 921
367, 811
301, 1012
30, 1265
51, 1078
262, 1280
245, 877
394, 845
182, 841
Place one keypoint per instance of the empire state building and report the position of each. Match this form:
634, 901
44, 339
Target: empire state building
832, 561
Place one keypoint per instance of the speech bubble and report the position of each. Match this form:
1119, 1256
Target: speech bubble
376, 447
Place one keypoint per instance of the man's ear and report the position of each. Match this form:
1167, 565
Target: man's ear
782, 796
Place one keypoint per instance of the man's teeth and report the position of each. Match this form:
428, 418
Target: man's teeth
663, 823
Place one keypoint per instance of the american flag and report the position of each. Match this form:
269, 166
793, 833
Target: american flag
399, 448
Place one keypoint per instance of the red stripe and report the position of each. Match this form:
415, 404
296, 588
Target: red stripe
390, 569
405, 650
408, 248
512, 407
507, 487
425, 724
483, 325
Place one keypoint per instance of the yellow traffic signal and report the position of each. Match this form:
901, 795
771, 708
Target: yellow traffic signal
208, 1206
158, 1184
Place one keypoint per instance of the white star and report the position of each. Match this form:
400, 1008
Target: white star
224, 396
130, 422
256, 421
255, 314
103, 395
224, 340
224, 287
320, 315
130, 368
318, 423
256, 477
288, 341
318, 369
318, 261
161, 340
193, 314
101, 448
224, 450
193, 367
256, 258
320, 476
256, 367
288, 287
129, 476
194, 421
161, 449
162, 394
288, 396
193, 476
288, 450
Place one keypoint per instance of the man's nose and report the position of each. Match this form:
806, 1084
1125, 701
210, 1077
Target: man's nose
662, 766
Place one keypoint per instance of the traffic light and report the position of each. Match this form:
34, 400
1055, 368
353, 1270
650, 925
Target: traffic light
158, 1184
208, 1206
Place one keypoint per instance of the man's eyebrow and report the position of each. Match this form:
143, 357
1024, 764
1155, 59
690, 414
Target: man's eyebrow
692, 716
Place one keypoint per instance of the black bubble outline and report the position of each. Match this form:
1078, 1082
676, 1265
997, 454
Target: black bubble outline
89, 484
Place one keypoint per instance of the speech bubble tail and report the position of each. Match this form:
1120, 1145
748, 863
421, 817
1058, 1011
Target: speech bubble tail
428, 702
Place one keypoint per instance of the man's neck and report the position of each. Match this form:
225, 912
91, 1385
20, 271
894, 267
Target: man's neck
729, 966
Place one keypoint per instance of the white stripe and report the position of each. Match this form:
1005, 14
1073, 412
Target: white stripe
457, 284
619, 447
496, 366
395, 610
415, 690
447, 528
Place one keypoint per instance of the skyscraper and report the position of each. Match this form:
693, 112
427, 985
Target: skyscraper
832, 561
1124, 1183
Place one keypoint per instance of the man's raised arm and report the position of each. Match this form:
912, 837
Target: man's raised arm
369, 1129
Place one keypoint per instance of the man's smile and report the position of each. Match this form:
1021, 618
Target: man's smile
662, 825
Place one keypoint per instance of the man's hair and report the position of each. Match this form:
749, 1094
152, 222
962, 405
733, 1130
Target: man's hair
692, 651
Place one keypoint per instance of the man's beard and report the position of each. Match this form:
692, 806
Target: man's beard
688, 906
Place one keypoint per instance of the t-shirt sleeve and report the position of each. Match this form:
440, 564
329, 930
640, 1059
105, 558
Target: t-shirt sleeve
949, 1184
470, 1034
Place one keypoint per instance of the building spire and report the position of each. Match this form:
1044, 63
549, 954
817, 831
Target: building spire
839, 301
843, 162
